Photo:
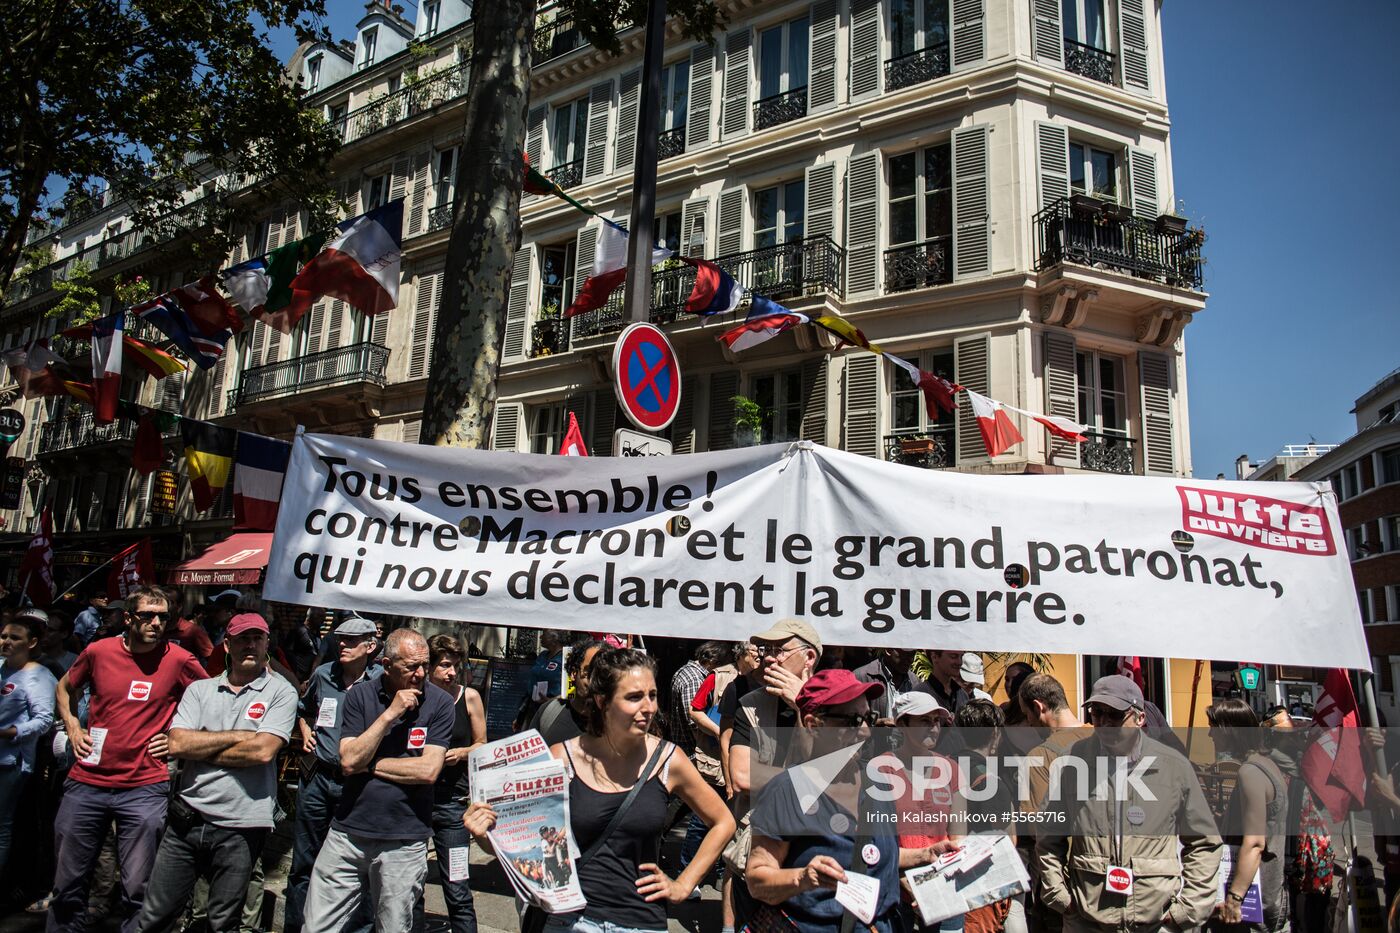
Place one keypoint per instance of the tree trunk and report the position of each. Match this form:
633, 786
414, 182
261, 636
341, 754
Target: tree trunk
461, 394
12, 243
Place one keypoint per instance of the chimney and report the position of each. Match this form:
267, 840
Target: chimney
1242, 466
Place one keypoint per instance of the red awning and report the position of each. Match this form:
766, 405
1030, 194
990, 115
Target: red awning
238, 559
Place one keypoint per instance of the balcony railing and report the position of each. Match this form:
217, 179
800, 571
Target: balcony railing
810, 266
1109, 453
919, 264
549, 336
1134, 245
440, 217
780, 108
406, 102
1090, 61
360, 362
81, 430
916, 67
670, 143
559, 36
567, 174
931, 450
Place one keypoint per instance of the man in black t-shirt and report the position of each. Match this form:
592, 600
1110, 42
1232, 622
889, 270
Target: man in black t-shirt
394, 735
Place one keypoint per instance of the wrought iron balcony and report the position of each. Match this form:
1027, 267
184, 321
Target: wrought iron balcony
916, 67
559, 36
919, 264
1090, 61
1109, 453
440, 217
407, 101
81, 430
548, 336
360, 362
780, 108
1134, 246
931, 450
567, 174
670, 143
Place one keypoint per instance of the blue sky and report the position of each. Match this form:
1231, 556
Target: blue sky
1285, 148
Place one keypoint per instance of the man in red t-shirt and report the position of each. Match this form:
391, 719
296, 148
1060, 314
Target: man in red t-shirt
119, 774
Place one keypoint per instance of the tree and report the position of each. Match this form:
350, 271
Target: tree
152, 98
461, 395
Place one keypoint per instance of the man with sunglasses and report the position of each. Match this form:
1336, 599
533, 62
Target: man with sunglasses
1137, 848
136, 682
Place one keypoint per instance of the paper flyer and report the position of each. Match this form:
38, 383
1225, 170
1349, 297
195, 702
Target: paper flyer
532, 839
522, 748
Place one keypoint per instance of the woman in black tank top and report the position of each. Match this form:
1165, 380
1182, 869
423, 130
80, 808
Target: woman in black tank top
622, 882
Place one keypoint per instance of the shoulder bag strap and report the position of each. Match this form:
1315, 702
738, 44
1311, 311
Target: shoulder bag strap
626, 803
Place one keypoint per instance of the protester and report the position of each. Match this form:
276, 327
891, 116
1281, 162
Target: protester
1169, 850
188, 633
26, 714
545, 679
891, 668
394, 737
55, 649
217, 613
89, 621
1043, 703
942, 682
618, 869
1311, 859
562, 718
296, 646
685, 684
120, 773
227, 732
989, 804
750, 666
321, 713
451, 841
113, 620
1019, 736
972, 676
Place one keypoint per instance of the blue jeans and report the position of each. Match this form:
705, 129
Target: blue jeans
12, 781
449, 834
695, 832
578, 923
190, 849
318, 794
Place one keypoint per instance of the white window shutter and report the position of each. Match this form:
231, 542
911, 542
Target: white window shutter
1132, 44
335, 323
1158, 430
417, 207
724, 385
1047, 32
424, 318
821, 59
814, 399
629, 96
256, 344
694, 218
969, 33
314, 323
602, 424
274, 346
518, 304
1052, 162
971, 203
398, 181
860, 422
1142, 182
865, 48
595, 163
505, 426
683, 427
972, 370
534, 137
702, 79
172, 392
379, 330
863, 223
585, 250
730, 237
820, 211
413, 431
737, 81
1061, 394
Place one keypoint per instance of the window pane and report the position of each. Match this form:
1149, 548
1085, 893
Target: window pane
765, 209
902, 27
770, 62
793, 207
797, 53
938, 167
580, 129
1069, 16
903, 222
1076, 167
1094, 32
562, 116
680, 94
902, 175
935, 23
904, 414
938, 214
1105, 173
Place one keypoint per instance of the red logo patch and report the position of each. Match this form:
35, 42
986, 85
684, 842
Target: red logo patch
257, 711
417, 737
1250, 518
7, 690
139, 690
1120, 881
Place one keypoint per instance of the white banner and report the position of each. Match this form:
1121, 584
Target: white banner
721, 545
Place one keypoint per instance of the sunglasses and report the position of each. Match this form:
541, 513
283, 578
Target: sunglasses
851, 720
150, 615
1109, 717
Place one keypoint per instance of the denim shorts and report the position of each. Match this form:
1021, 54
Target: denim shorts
578, 923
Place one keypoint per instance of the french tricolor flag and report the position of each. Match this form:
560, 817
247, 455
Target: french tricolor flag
107, 366
257, 480
609, 269
359, 265
715, 291
767, 319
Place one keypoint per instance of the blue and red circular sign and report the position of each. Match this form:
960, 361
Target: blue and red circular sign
646, 376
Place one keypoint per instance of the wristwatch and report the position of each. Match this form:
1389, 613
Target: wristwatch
1232, 896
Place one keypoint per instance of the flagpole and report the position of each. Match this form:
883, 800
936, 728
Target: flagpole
1373, 719
1191, 720
637, 294
100, 567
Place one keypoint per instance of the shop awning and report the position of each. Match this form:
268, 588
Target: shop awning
238, 559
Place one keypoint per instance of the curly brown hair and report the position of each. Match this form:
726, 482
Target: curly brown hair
605, 673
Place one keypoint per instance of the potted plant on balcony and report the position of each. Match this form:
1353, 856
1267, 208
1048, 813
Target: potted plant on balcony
547, 324
1171, 224
1083, 205
915, 446
1122, 213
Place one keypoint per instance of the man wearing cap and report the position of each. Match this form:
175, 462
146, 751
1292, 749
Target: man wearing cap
120, 772
892, 669
322, 708
972, 676
227, 732
944, 669
1139, 850
88, 621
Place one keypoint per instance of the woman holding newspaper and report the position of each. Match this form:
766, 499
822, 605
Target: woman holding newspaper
620, 777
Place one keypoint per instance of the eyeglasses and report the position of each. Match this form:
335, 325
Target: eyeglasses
150, 615
851, 720
1109, 717
778, 651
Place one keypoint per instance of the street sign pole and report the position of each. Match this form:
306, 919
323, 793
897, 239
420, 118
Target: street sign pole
637, 291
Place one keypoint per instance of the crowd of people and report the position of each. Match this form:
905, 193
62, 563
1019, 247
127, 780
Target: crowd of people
142, 743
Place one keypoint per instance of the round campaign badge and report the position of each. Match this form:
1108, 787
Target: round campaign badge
7, 690
646, 376
256, 711
870, 854
1120, 880
417, 737
1137, 815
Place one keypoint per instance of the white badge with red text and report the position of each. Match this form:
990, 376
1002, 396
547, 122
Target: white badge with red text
256, 711
325, 716
1119, 880
417, 737
139, 690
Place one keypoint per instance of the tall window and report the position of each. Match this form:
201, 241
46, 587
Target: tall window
313, 74
556, 279
547, 425
1093, 171
432, 12
778, 214
909, 414
666, 231
1103, 402
675, 95
779, 398
920, 224
1084, 22
917, 24
782, 58
1389, 471
369, 39
336, 115
570, 131
445, 177
378, 192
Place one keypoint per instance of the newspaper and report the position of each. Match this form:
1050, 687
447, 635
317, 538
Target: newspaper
984, 870
518, 749
532, 838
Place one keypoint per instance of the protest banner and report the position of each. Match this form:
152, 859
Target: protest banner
871, 553
532, 838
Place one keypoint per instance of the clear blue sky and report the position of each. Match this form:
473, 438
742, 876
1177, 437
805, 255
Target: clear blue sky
1285, 139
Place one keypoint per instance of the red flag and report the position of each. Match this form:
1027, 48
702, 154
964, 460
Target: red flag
1131, 667
36, 570
130, 569
938, 394
148, 453
573, 440
998, 433
1332, 765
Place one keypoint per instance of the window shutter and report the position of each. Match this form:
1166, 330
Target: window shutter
821, 59
413, 431
969, 33
505, 426
595, 163
735, 119
585, 250
172, 392
517, 305
820, 210
417, 204
861, 421
865, 48
398, 181
1158, 441
142, 511
274, 346
971, 369
862, 223
702, 76
814, 399
335, 322
217, 399
354, 195
723, 387
314, 323
534, 137
683, 428
424, 317
291, 227
274, 232
971, 222
1052, 161
1132, 43
693, 219
600, 435
1142, 182
1047, 32
730, 238
1061, 394
629, 98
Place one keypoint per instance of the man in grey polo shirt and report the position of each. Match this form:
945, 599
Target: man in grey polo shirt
226, 733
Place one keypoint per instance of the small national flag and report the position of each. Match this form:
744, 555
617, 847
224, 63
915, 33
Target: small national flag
573, 440
182, 315
767, 319
609, 269
208, 458
33, 369
1131, 668
360, 265
148, 453
715, 291
107, 366
257, 481
1332, 765
36, 570
535, 183
263, 286
78, 390
938, 392
130, 569
848, 332
152, 360
998, 433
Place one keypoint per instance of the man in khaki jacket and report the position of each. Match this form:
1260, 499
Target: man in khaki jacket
1108, 857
